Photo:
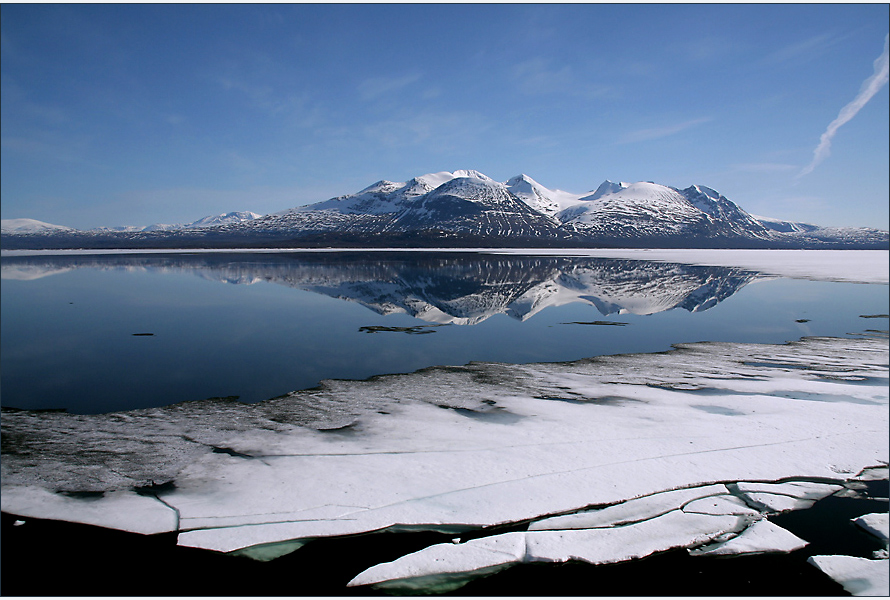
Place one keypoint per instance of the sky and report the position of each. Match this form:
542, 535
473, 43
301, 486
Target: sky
120, 114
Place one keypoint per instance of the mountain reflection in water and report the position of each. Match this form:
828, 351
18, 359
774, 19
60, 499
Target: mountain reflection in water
70, 321
454, 288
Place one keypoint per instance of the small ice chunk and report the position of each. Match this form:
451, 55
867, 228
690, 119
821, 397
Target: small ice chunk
267, 552
445, 567
762, 536
877, 524
859, 576
874, 474
777, 503
18, 522
781, 497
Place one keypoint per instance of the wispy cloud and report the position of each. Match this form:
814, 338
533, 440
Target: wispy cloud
767, 167
374, 87
447, 129
655, 133
537, 76
295, 109
869, 88
803, 50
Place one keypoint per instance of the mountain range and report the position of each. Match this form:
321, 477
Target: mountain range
466, 208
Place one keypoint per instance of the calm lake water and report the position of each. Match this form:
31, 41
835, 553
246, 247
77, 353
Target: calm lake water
101, 333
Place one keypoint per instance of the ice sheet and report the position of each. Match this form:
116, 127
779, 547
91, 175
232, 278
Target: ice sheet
456, 448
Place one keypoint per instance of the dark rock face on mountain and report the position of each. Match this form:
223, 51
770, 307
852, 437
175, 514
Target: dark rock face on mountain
469, 209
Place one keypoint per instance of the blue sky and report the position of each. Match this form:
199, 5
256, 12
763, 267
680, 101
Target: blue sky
136, 114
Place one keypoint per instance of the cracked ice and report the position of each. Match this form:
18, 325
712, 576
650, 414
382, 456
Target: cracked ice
605, 459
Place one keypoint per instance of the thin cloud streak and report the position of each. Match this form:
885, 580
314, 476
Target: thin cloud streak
660, 132
869, 88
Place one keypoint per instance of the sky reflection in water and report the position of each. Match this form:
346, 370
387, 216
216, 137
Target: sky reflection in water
68, 322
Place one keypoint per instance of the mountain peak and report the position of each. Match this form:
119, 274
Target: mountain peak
472, 173
607, 187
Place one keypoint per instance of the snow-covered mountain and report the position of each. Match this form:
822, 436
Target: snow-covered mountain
545, 201
223, 219
467, 208
29, 227
208, 221
785, 226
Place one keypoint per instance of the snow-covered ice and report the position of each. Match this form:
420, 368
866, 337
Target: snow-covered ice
859, 576
446, 566
866, 266
605, 459
762, 536
877, 524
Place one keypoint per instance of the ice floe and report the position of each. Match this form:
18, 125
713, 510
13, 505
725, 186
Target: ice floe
444, 567
762, 536
859, 576
601, 460
877, 524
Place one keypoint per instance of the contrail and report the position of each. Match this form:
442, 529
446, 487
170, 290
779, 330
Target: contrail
869, 88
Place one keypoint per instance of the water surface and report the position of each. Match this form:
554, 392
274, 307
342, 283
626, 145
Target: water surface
101, 333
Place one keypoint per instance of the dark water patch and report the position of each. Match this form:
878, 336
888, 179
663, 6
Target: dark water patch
83, 494
153, 489
574, 400
346, 428
775, 365
106, 562
230, 452
599, 401
717, 410
496, 415
672, 573
809, 396
828, 525
413, 330
869, 381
